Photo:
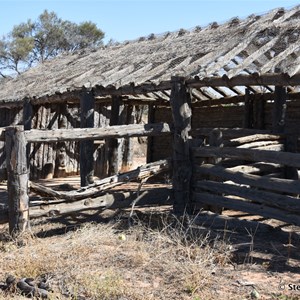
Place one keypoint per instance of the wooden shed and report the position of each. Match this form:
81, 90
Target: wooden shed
210, 91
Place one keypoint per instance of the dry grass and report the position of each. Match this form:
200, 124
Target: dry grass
104, 262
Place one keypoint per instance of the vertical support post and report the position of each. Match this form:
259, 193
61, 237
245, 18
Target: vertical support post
27, 120
248, 111
151, 120
182, 168
128, 145
87, 106
114, 148
259, 116
279, 109
17, 179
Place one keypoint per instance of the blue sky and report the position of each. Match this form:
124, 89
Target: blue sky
126, 20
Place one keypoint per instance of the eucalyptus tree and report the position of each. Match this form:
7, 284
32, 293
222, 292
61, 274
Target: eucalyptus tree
34, 42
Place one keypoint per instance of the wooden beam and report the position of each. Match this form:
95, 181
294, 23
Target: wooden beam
87, 108
252, 208
263, 197
182, 168
248, 110
150, 144
284, 158
17, 179
273, 184
78, 134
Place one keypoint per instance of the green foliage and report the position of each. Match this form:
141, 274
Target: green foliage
45, 38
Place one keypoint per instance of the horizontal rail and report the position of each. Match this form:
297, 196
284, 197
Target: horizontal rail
273, 184
79, 134
248, 207
284, 158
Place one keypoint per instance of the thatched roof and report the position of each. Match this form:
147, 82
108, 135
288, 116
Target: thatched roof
263, 44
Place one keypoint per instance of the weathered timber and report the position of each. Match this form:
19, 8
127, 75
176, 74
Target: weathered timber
27, 120
65, 208
252, 208
258, 99
114, 149
87, 109
246, 80
291, 145
256, 168
284, 158
248, 110
263, 197
150, 142
182, 169
279, 110
112, 200
252, 138
259, 144
259, 113
273, 184
17, 179
99, 186
231, 133
77, 134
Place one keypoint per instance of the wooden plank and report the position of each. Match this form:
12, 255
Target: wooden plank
273, 184
263, 197
252, 208
236, 142
87, 110
182, 168
17, 179
284, 158
77, 134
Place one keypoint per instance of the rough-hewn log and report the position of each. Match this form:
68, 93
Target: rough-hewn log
112, 200
27, 119
256, 168
273, 184
291, 145
113, 166
252, 138
284, 158
230, 133
17, 179
150, 144
252, 208
267, 198
246, 80
87, 108
248, 110
77, 134
182, 168
103, 202
104, 184
279, 110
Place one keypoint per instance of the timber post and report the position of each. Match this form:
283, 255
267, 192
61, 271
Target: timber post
27, 122
182, 167
150, 143
279, 110
17, 179
248, 110
113, 167
87, 109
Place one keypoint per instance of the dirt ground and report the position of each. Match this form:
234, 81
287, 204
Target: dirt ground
264, 255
